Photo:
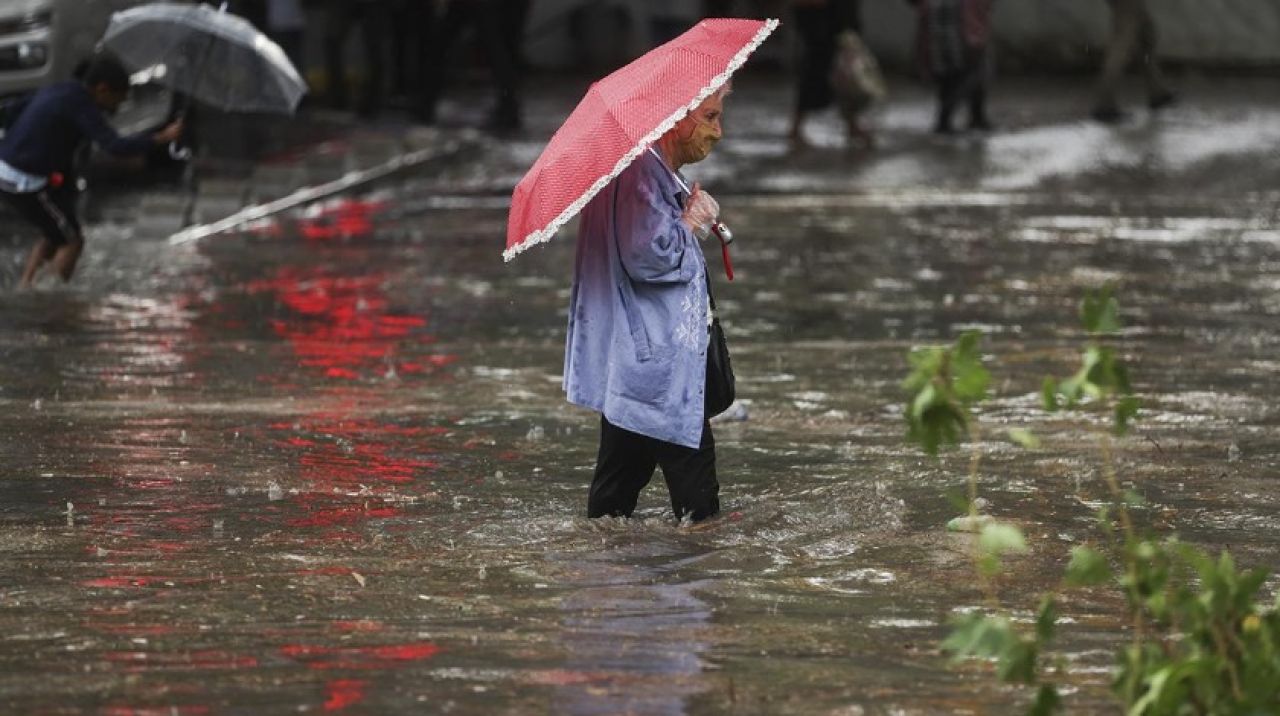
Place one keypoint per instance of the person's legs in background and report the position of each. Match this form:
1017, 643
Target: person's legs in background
451, 25
977, 81
1126, 18
813, 89
375, 27
949, 87
1159, 95
502, 33
337, 21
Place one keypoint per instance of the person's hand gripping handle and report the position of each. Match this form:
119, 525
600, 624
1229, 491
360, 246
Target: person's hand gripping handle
172, 135
702, 213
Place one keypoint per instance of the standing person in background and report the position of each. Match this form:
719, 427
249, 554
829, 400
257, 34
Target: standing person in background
499, 27
37, 158
819, 23
1133, 36
286, 25
373, 19
955, 49
413, 24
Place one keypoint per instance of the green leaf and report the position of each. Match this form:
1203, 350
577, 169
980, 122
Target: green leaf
1046, 618
926, 363
998, 538
1018, 662
1049, 394
1126, 411
979, 635
1047, 701
942, 384
969, 377
1024, 437
1099, 312
1086, 568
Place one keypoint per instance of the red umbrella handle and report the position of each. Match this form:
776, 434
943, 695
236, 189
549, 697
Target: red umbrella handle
722, 232
728, 264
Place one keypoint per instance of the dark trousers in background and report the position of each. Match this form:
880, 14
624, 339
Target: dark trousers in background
373, 20
1133, 37
966, 86
499, 28
818, 27
626, 463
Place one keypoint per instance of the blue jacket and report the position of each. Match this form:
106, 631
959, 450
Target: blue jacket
638, 314
44, 138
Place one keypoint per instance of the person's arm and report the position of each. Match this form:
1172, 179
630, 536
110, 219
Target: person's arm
654, 243
11, 109
94, 125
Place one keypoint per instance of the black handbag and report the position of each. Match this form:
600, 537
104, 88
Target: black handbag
721, 388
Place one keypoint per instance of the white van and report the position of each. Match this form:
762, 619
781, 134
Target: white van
42, 41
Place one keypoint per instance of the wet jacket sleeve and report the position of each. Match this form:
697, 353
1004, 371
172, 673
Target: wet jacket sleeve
654, 245
94, 125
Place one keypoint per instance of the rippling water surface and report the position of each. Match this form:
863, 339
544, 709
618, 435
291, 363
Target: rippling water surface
326, 465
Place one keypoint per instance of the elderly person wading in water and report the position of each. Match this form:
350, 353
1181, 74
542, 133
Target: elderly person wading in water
639, 313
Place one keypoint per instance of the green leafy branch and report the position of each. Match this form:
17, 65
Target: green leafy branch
1201, 642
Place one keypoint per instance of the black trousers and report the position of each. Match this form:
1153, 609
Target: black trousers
626, 463
52, 210
819, 26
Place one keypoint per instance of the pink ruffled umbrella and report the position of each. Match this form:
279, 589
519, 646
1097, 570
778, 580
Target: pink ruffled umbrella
620, 116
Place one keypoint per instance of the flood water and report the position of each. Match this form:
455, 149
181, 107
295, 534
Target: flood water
325, 464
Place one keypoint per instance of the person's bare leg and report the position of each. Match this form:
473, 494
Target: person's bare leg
64, 260
41, 253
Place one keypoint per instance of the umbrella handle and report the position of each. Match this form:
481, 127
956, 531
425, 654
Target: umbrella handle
723, 233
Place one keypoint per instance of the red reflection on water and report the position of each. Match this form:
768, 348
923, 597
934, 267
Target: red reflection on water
341, 693
321, 657
344, 218
343, 326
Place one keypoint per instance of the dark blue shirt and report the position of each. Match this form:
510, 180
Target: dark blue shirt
44, 138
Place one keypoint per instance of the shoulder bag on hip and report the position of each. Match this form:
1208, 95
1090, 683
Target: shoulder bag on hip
720, 389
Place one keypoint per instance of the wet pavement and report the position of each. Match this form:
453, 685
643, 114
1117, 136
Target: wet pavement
324, 464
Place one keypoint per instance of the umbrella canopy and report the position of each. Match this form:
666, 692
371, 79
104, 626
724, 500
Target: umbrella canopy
215, 57
620, 116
